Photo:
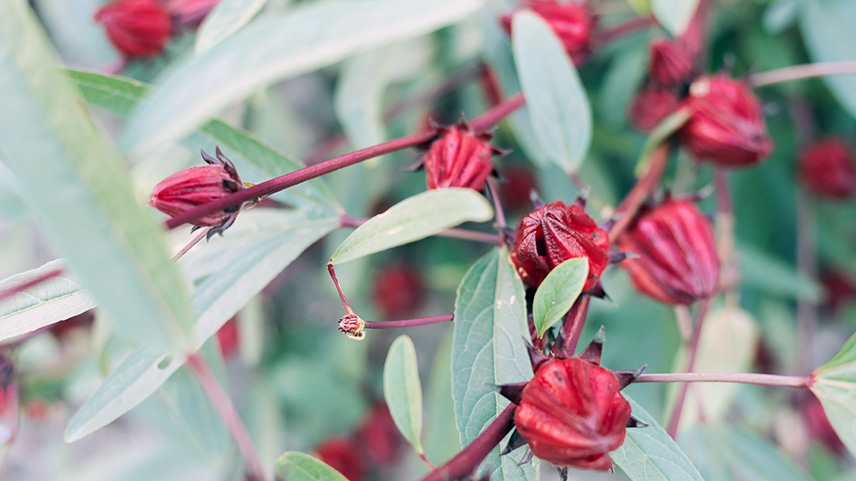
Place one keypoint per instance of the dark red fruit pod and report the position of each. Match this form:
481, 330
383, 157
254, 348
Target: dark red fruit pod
137, 28
342, 454
826, 168
398, 291
670, 62
572, 22
379, 437
650, 106
458, 157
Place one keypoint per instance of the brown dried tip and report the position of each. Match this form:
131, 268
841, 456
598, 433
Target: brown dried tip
536, 357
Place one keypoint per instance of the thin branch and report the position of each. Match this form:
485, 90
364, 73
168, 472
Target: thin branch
796, 72
701, 314
422, 321
732, 377
637, 195
574, 323
195, 240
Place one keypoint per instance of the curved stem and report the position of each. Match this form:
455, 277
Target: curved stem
701, 314
796, 72
637, 195
422, 321
195, 240
497, 113
733, 377
625, 28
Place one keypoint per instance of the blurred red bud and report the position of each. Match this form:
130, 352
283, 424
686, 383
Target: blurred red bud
398, 291
819, 427
670, 63
341, 454
378, 436
516, 192
553, 234
228, 338
137, 28
190, 13
458, 157
572, 22
572, 414
650, 106
80, 321
8, 400
726, 125
826, 169
839, 289
677, 262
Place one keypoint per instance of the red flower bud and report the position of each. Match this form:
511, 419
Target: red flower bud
8, 401
572, 414
377, 435
726, 125
553, 234
839, 289
190, 12
196, 186
137, 28
398, 291
650, 106
458, 157
826, 168
340, 453
228, 338
670, 63
677, 262
516, 192
572, 22
819, 427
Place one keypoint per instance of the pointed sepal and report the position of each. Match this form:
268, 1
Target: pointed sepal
512, 392
592, 352
515, 441
625, 378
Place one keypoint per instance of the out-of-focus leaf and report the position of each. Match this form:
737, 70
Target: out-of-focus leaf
674, 15
294, 466
834, 384
442, 440
402, 391
300, 41
829, 29
412, 219
76, 182
359, 95
780, 15
257, 248
487, 350
227, 17
765, 272
650, 454
54, 300
557, 102
558, 292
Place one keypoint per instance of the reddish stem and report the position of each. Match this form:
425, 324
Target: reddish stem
693, 352
345, 303
733, 377
574, 322
637, 195
497, 113
11, 291
625, 28
422, 321
465, 462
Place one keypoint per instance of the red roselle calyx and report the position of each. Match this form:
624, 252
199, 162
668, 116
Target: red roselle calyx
826, 169
459, 157
398, 291
193, 187
677, 262
650, 106
341, 454
726, 125
137, 28
553, 234
572, 22
670, 62
378, 436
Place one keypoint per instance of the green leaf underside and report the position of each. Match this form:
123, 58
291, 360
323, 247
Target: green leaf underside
54, 300
650, 454
254, 160
835, 385
412, 219
301, 41
78, 184
558, 106
674, 15
265, 242
227, 17
558, 292
402, 390
295, 466
487, 350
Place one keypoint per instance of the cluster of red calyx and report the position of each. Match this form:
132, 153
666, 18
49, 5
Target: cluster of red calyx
726, 125
572, 22
376, 442
571, 413
196, 186
398, 291
554, 233
459, 157
677, 262
826, 168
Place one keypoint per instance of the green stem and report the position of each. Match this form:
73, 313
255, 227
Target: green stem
732, 377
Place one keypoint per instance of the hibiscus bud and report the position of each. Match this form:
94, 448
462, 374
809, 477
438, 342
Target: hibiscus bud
137, 28
8, 400
670, 63
677, 261
553, 234
516, 192
196, 186
458, 157
190, 13
228, 338
650, 106
839, 289
398, 291
572, 414
572, 22
340, 453
726, 125
826, 168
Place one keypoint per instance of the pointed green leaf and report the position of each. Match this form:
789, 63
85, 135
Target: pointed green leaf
295, 466
674, 15
412, 219
834, 384
558, 292
558, 106
77, 182
402, 390
227, 17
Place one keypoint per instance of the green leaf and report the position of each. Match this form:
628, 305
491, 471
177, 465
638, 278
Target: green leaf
412, 219
442, 440
77, 183
834, 384
231, 270
488, 350
301, 41
674, 15
780, 15
359, 95
227, 17
773, 275
402, 390
54, 300
254, 160
295, 466
558, 292
829, 29
557, 102
650, 454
